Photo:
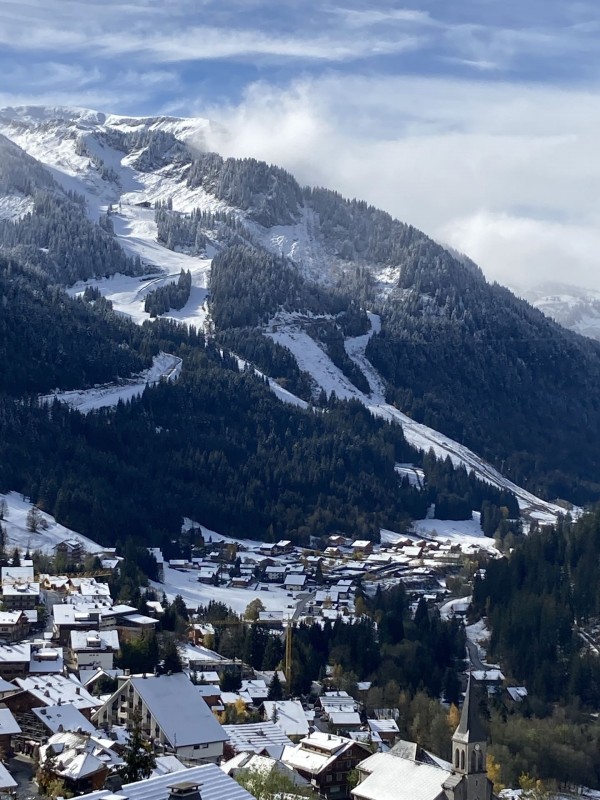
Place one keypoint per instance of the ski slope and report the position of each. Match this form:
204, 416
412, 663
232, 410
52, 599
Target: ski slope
164, 367
17, 535
314, 360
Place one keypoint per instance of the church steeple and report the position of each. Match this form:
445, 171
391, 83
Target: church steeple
469, 748
470, 728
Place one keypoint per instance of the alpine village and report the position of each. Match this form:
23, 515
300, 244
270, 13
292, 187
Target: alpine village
294, 503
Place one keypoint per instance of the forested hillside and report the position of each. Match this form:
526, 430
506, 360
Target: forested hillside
534, 599
49, 341
472, 360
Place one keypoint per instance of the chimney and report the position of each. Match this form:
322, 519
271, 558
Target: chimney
186, 790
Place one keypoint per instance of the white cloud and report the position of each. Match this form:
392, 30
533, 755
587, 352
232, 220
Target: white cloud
506, 173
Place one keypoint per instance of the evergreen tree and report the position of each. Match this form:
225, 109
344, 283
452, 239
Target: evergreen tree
275, 688
138, 756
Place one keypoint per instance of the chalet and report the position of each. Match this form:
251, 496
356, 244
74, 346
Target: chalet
326, 760
9, 727
386, 729
362, 547
256, 690
71, 549
268, 549
50, 690
272, 619
14, 660
173, 714
241, 581
68, 617
135, 626
295, 582
14, 626
199, 631
275, 574
94, 648
82, 761
208, 573
21, 595
284, 546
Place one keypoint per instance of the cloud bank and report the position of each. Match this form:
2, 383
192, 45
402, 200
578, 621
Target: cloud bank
506, 173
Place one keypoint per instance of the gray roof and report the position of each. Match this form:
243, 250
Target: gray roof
470, 724
213, 782
65, 715
182, 714
254, 737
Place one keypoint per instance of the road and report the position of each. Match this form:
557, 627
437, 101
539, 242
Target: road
476, 662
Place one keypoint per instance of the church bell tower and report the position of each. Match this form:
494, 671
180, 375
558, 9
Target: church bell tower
469, 746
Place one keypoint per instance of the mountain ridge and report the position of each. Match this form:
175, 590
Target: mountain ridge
354, 253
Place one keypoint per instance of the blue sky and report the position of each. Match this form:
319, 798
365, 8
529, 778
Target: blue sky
475, 120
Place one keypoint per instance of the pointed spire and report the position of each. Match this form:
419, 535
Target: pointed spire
470, 725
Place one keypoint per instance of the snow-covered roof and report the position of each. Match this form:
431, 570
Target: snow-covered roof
487, 675
94, 640
255, 737
179, 710
295, 579
290, 716
214, 783
16, 575
10, 617
139, 619
65, 715
6, 779
21, 589
46, 659
316, 752
387, 772
344, 717
7, 686
52, 689
15, 653
256, 689
383, 725
167, 765
8, 724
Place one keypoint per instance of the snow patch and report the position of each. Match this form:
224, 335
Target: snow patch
164, 367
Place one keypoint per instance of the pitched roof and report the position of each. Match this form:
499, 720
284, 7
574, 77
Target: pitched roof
65, 715
290, 716
214, 785
255, 737
181, 713
387, 772
470, 728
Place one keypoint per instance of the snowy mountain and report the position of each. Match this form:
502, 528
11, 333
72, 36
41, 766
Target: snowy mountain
573, 307
282, 274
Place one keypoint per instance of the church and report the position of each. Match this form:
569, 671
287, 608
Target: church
407, 772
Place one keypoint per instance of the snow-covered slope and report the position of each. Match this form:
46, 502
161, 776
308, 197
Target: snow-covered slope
44, 540
164, 367
574, 307
289, 332
81, 149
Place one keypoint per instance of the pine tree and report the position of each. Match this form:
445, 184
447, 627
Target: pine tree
138, 757
275, 688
